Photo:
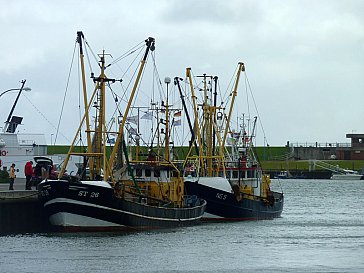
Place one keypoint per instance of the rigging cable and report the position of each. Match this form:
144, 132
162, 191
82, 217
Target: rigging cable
224, 98
65, 93
50, 123
88, 59
125, 89
79, 98
129, 52
247, 97
256, 109
156, 78
140, 49
93, 54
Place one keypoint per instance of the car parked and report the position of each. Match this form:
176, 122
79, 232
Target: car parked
44, 168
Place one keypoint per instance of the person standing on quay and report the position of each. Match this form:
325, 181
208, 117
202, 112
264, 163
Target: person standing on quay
28, 171
12, 177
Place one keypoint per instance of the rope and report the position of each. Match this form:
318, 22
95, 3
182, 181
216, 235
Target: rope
49, 122
65, 93
255, 106
93, 54
129, 52
87, 56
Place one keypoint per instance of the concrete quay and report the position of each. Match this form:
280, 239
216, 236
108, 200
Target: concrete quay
20, 210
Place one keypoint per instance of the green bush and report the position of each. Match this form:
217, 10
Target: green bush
4, 176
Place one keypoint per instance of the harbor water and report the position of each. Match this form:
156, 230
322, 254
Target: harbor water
321, 230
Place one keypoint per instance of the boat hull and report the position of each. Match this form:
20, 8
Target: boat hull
83, 207
223, 206
346, 177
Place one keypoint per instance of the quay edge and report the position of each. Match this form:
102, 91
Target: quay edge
21, 212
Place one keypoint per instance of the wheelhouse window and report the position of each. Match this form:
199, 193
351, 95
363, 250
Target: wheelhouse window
251, 174
157, 173
139, 172
148, 172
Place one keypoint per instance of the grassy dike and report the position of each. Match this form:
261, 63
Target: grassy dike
271, 158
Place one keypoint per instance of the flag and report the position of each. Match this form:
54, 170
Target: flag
147, 115
133, 119
231, 141
111, 138
133, 131
177, 122
177, 114
235, 135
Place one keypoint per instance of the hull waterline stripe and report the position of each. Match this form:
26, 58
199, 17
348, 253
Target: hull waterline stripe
77, 188
66, 200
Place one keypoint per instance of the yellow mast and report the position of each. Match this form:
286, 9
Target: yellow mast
208, 110
222, 146
76, 136
197, 128
100, 132
96, 152
241, 68
209, 144
80, 36
150, 42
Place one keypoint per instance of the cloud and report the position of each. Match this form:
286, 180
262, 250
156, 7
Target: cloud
303, 58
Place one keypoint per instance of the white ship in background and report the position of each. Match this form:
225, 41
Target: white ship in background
20, 148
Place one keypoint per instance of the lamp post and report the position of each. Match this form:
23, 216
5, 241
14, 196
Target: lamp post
16, 89
7, 122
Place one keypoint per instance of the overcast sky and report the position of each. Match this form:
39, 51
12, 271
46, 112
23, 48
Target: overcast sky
304, 59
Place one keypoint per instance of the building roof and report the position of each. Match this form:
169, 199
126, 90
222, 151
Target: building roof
354, 135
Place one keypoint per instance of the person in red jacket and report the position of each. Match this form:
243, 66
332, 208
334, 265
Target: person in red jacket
28, 170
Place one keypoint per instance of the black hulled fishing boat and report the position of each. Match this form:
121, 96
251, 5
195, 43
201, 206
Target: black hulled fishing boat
111, 191
228, 177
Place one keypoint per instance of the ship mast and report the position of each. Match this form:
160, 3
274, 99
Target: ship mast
193, 138
241, 68
214, 117
167, 80
150, 43
207, 134
100, 134
96, 149
80, 36
197, 128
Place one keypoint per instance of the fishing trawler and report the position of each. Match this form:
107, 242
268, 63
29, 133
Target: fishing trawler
112, 191
228, 177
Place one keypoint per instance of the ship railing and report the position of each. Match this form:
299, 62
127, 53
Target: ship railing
131, 194
319, 145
